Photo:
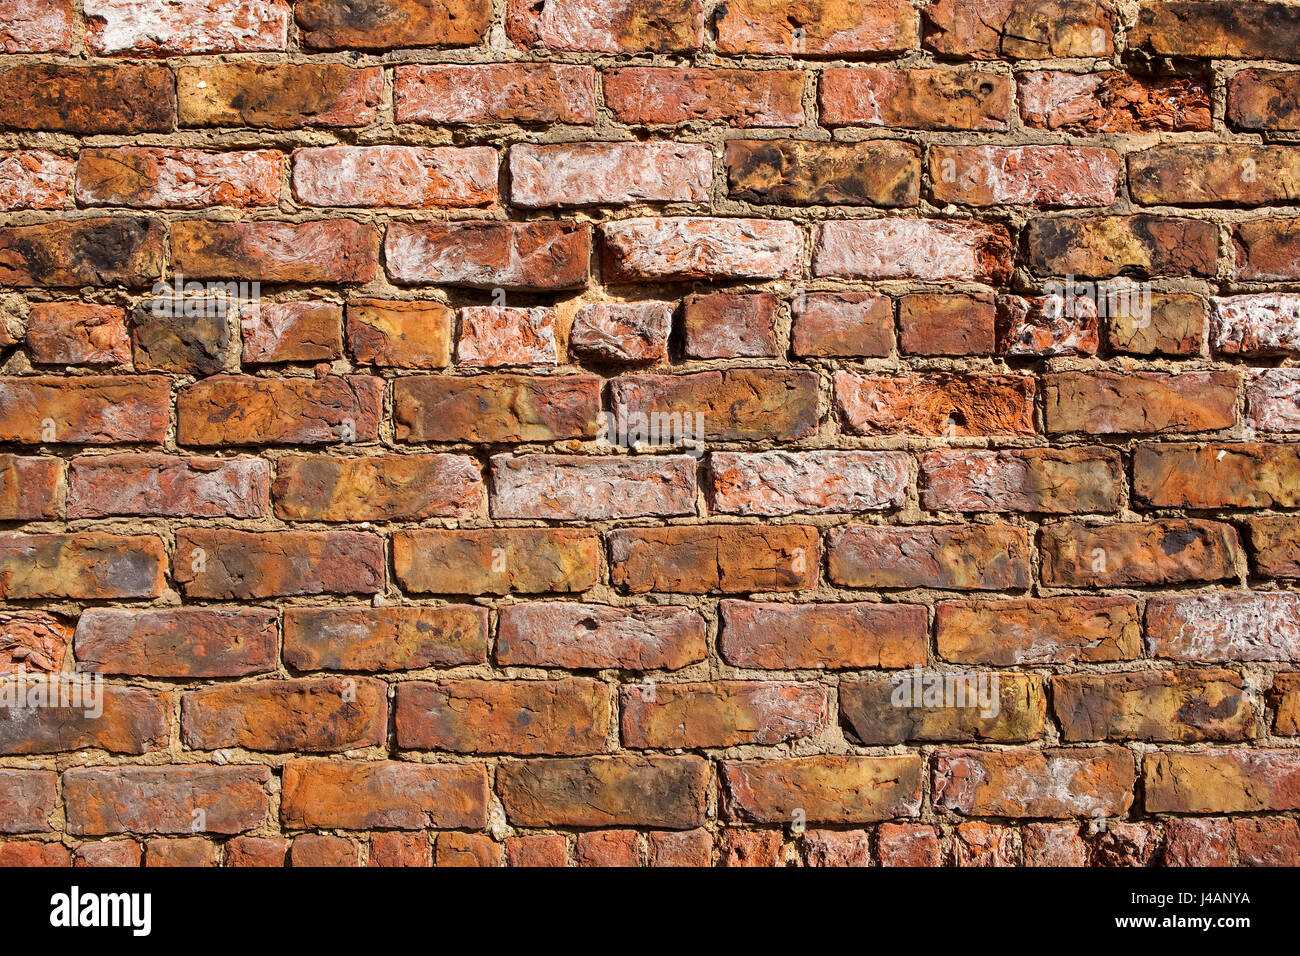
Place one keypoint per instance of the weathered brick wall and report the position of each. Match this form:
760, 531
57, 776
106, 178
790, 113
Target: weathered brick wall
368, 578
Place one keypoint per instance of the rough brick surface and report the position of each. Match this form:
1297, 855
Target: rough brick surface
558, 432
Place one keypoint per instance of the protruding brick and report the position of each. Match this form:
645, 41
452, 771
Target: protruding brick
1273, 399
30, 488
36, 26
1198, 174
1267, 841
73, 333
1275, 545
1266, 249
1265, 99
1181, 28
1264, 324
1234, 475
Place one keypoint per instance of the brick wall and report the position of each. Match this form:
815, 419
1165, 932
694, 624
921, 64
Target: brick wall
967, 334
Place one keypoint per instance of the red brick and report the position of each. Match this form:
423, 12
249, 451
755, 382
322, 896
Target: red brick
943, 324
835, 848
1264, 99
622, 333
1264, 324
622, 791
221, 564
148, 177
1221, 781
1028, 480
27, 799
1180, 28
387, 24
671, 95
691, 848
983, 845
33, 178
895, 710
30, 488
912, 249
83, 252
256, 851
1104, 402
495, 93
700, 247
729, 325
701, 559
185, 851
587, 487
1047, 326
607, 848
689, 716
1228, 475
128, 720
784, 636
1199, 174
186, 27
248, 410
738, 404
495, 336
497, 560
89, 565
570, 716
1042, 176
382, 794
168, 485
602, 174
376, 487
325, 250
125, 853
814, 482
1020, 29
190, 642
1038, 630
28, 853
424, 177
278, 95
384, 638
1267, 841
276, 332
822, 789
1180, 706
965, 557
461, 850
323, 849
1225, 626
797, 172
595, 637
1103, 246
815, 27
33, 641
616, 26
1267, 249
36, 26
511, 255
936, 404
102, 98
1112, 102
908, 844
537, 851
162, 799
307, 715
749, 848
496, 408
1131, 554
1273, 399
1054, 844
400, 334
915, 98
848, 324
73, 333
1054, 783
